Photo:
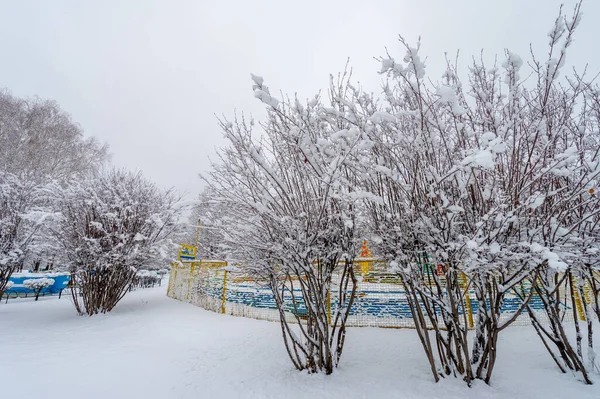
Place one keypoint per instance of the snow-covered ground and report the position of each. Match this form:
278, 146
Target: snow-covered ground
152, 346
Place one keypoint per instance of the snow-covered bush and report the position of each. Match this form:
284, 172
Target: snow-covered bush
287, 202
112, 224
488, 186
146, 273
146, 278
499, 195
37, 285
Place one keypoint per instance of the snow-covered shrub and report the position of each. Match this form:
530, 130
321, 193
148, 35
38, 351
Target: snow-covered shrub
288, 211
112, 224
492, 183
146, 278
146, 273
487, 186
37, 285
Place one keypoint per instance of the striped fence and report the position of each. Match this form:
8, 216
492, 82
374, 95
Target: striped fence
380, 300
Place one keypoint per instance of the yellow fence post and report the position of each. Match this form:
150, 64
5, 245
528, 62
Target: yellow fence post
190, 279
578, 303
365, 253
587, 292
172, 277
467, 301
224, 295
329, 307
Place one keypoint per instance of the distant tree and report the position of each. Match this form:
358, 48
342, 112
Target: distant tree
20, 219
209, 215
40, 142
162, 272
112, 225
37, 285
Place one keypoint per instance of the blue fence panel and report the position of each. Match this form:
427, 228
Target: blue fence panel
60, 282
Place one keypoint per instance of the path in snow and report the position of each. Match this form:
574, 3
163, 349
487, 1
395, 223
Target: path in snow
152, 346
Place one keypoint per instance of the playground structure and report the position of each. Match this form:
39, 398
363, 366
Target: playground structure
380, 299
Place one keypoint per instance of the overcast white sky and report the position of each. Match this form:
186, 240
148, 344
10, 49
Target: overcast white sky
147, 76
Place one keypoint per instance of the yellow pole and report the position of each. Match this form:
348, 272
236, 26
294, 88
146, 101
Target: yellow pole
468, 302
172, 276
224, 296
587, 292
364, 267
190, 279
329, 307
578, 303
197, 237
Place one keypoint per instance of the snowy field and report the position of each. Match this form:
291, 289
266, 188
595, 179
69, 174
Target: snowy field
152, 346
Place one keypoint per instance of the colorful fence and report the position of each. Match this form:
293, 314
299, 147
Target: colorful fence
380, 300
61, 280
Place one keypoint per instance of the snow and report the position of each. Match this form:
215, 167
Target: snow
35, 284
487, 137
185, 204
147, 273
379, 117
495, 248
537, 202
554, 261
258, 80
40, 274
262, 92
513, 62
447, 94
482, 158
472, 244
152, 346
